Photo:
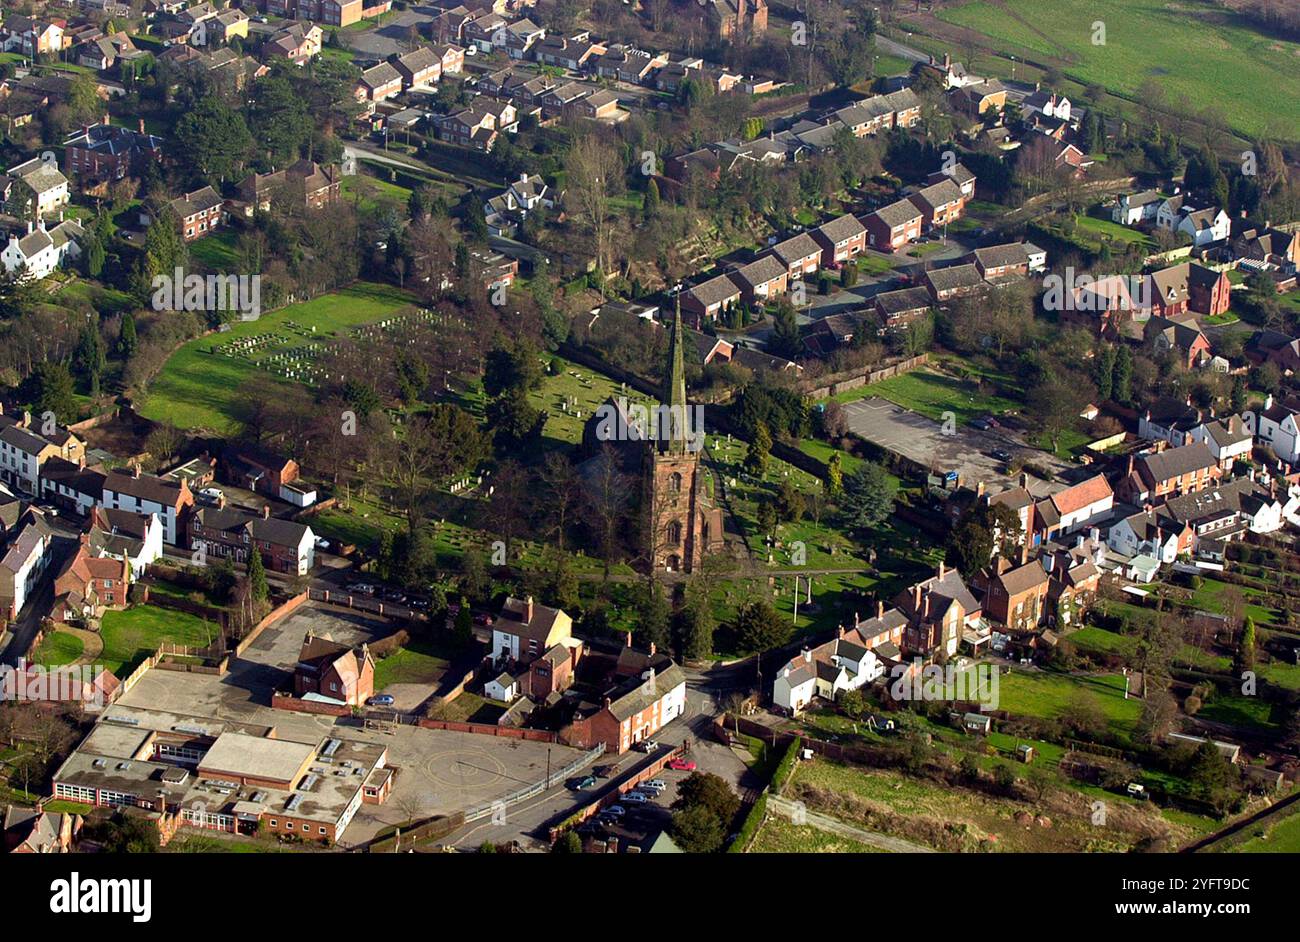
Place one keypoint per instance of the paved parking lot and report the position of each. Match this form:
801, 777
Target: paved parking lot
922, 440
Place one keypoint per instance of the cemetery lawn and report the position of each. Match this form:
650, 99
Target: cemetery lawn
198, 389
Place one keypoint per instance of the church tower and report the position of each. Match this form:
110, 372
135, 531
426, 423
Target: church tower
683, 520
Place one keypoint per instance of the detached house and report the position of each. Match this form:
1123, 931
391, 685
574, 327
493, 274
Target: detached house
199, 212
87, 585
106, 152
506, 211
1200, 226
1181, 336
333, 672
38, 189
297, 43
1189, 288
938, 611
825, 671
526, 629
1133, 208
42, 250
1073, 508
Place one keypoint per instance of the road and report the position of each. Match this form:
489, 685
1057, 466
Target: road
895, 845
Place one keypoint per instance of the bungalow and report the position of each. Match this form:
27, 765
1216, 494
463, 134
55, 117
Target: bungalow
841, 239
570, 53
893, 227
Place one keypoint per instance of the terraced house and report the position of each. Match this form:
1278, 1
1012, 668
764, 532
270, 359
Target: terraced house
284, 545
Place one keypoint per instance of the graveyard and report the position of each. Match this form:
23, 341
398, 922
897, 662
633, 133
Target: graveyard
200, 385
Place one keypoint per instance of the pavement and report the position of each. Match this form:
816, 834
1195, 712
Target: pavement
922, 440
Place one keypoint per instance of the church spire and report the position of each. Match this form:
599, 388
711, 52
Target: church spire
674, 394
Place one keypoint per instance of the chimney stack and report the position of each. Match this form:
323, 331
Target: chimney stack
141, 125
942, 570
652, 649
629, 634
880, 608
528, 609
266, 511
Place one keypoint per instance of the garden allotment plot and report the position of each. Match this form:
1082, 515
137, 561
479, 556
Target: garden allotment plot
201, 384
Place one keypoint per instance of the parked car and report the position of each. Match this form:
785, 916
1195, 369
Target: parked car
419, 604
646, 745
682, 765
606, 771
361, 588
381, 699
635, 798
394, 595
981, 424
616, 811
657, 784
322, 543
1001, 454
587, 781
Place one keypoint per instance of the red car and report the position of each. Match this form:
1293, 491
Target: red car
682, 765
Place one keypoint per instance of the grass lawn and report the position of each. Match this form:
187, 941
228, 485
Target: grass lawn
1203, 53
417, 663
58, 648
933, 394
1241, 711
1097, 228
469, 708
1209, 598
200, 389
1047, 695
779, 836
62, 806
368, 193
1280, 838
217, 251
132, 635
874, 265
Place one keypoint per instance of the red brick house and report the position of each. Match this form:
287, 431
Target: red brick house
335, 671
284, 545
707, 300
1169, 472
940, 203
842, 239
199, 212
638, 695
763, 279
892, 227
1189, 288
1014, 596
260, 470
1180, 336
88, 585
105, 152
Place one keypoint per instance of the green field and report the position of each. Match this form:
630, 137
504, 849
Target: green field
1280, 838
199, 389
1095, 229
216, 251
932, 394
1192, 50
132, 635
1047, 696
58, 648
416, 663
779, 836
